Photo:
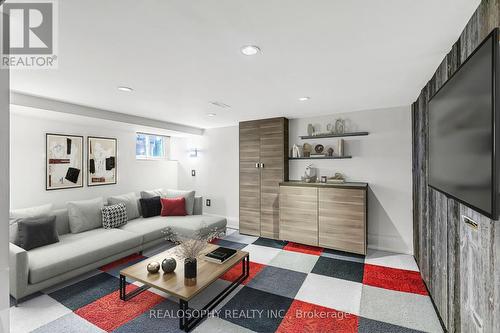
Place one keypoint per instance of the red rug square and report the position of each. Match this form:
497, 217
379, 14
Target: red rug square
394, 279
121, 261
110, 312
307, 317
307, 249
234, 272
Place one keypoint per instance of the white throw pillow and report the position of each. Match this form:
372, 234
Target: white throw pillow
188, 197
85, 215
130, 202
152, 193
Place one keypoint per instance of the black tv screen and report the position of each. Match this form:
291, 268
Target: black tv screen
462, 131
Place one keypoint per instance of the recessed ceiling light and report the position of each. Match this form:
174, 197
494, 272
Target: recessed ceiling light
126, 89
250, 50
305, 98
211, 114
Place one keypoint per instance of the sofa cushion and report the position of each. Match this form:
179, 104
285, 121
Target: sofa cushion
37, 211
114, 216
188, 196
85, 215
130, 201
188, 226
77, 250
152, 193
34, 232
150, 207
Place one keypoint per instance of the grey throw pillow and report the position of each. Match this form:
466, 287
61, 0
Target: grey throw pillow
130, 202
85, 215
152, 193
34, 232
188, 196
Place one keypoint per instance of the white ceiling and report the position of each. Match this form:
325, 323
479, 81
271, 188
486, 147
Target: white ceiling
179, 55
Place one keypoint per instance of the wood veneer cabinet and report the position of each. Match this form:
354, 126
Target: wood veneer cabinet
330, 216
342, 219
299, 214
263, 165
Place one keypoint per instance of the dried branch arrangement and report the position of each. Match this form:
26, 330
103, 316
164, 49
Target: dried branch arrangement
191, 248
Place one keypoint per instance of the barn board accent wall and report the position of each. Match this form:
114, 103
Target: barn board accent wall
460, 264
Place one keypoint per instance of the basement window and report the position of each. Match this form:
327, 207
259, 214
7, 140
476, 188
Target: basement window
151, 146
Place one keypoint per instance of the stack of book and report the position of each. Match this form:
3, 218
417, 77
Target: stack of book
317, 155
220, 255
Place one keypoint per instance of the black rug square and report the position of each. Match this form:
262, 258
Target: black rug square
340, 269
277, 244
256, 310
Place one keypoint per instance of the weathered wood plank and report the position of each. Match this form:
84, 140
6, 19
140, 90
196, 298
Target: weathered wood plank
453, 266
477, 271
439, 255
460, 266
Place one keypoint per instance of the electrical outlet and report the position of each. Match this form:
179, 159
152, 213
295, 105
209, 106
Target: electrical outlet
208, 202
193, 173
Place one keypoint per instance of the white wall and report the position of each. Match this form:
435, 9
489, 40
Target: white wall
27, 159
217, 169
382, 159
4, 196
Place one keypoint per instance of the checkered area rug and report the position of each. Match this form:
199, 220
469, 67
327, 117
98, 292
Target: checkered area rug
291, 288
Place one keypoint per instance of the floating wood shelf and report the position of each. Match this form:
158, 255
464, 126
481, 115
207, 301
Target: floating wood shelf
323, 136
320, 158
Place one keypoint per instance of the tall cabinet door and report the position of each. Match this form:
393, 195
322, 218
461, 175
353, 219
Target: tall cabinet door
250, 178
274, 169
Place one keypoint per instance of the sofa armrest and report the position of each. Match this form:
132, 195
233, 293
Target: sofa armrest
18, 270
198, 206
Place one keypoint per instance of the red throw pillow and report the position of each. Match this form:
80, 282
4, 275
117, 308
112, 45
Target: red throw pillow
173, 206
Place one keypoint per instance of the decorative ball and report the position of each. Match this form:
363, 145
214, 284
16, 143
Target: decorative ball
153, 267
168, 265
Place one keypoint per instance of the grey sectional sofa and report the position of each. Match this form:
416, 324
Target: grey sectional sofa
75, 254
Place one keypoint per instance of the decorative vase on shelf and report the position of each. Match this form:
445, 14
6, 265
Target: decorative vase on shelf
339, 126
190, 268
310, 130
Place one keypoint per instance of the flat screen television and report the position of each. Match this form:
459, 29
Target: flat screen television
464, 131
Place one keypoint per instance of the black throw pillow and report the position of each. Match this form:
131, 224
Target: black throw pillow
150, 207
34, 232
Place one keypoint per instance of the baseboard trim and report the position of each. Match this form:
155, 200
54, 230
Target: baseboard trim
387, 243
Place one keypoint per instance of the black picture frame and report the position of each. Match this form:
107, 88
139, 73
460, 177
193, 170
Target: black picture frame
115, 162
48, 184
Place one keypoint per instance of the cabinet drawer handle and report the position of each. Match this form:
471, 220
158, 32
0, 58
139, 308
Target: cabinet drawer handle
257, 165
262, 165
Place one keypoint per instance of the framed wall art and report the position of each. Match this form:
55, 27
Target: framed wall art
101, 161
64, 161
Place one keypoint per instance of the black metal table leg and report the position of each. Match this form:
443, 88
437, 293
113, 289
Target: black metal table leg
123, 289
187, 324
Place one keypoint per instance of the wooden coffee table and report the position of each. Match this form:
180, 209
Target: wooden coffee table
175, 284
